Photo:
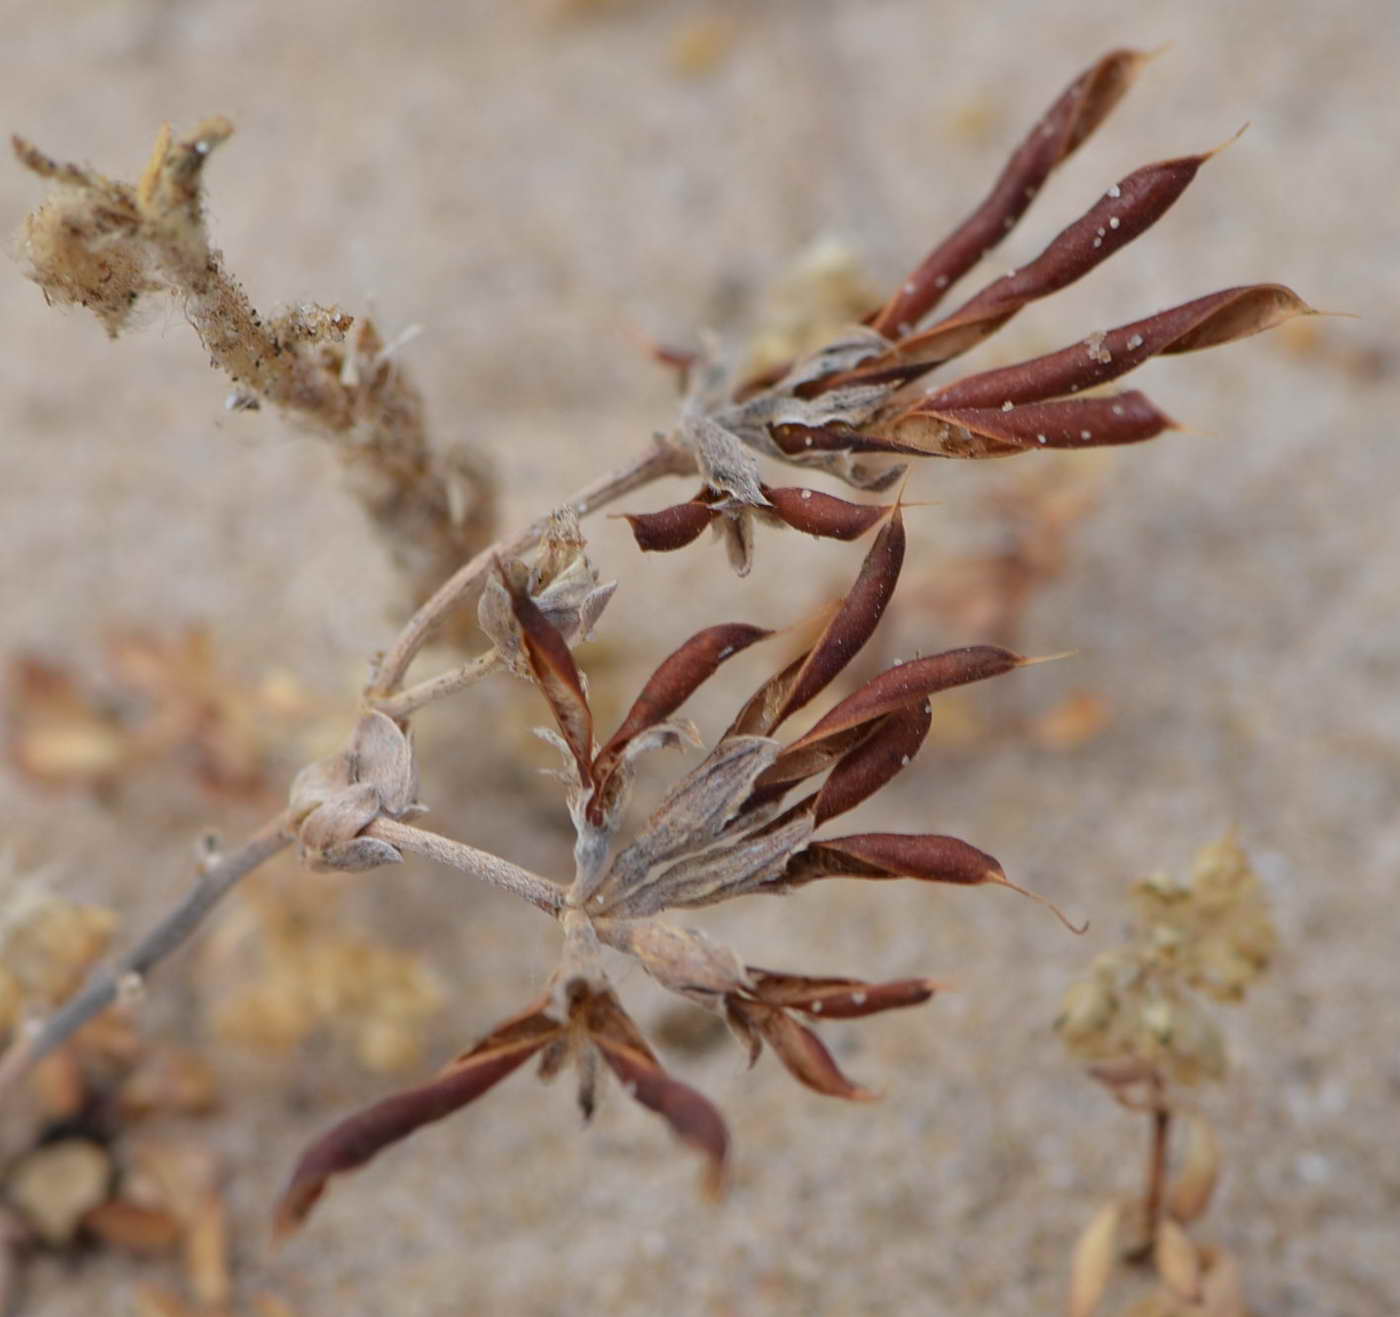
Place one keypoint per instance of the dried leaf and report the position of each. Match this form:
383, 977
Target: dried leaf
748, 864
1081, 108
556, 674
355, 1140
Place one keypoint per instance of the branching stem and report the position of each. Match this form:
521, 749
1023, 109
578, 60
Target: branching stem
217, 878
435, 688
663, 458
540, 892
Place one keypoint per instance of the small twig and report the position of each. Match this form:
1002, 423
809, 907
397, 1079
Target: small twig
216, 879
663, 458
435, 688
540, 892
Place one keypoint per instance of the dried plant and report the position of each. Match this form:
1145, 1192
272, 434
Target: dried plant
1137, 1019
854, 408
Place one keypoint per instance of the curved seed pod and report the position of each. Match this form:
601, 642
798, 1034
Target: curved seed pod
691, 1116
875, 761
928, 857
354, 1141
1095, 1255
1190, 1193
556, 674
1205, 322
1128, 209
670, 528
836, 999
975, 432
911, 683
815, 513
1081, 108
674, 681
854, 621
798, 1048
1176, 1260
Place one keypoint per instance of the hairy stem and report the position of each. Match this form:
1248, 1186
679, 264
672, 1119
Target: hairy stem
663, 458
217, 878
435, 688
540, 892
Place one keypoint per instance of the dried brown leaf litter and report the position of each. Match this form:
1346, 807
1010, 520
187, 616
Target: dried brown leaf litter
747, 818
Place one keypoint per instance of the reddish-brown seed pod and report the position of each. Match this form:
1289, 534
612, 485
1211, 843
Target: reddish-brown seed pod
1128, 209
1081, 108
927, 857
675, 680
854, 621
670, 528
357, 1139
691, 1115
555, 674
864, 770
815, 513
836, 999
800, 1050
911, 683
979, 432
1223, 317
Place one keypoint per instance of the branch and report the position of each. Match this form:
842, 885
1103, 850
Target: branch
540, 892
459, 678
664, 458
216, 879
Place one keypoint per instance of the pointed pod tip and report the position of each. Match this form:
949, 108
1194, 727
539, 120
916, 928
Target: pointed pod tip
1229, 141
1023, 661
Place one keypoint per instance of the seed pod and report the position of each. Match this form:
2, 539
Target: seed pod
1081, 108
1095, 1255
815, 513
1190, 1193
670, 528
1176, 1260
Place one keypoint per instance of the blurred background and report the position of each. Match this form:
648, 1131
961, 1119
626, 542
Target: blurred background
540, 190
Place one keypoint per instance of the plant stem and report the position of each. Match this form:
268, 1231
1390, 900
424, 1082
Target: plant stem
435, 688
663, 458
1156, 1169
540, 892
216, 879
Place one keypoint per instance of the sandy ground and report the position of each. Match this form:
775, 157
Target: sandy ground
530, 189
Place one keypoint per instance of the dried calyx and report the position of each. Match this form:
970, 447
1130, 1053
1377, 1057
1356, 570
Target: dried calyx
855, 408
726, 829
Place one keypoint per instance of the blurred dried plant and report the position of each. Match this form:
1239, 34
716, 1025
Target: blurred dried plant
1138, 1020
847, 403
108, 246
